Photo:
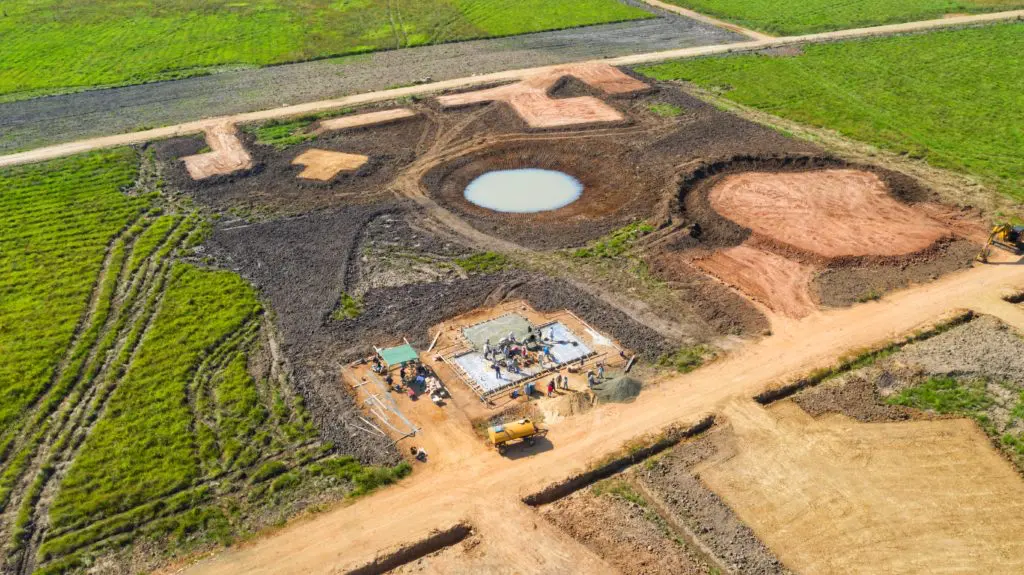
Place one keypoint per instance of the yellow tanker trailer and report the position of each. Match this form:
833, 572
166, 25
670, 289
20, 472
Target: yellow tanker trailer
501, 435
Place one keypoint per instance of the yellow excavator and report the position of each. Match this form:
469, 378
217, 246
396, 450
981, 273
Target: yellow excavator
1005, 236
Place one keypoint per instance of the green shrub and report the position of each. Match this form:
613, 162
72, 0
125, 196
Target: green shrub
946, 395
616, 243
665, 110
284, 482
686, 359
269, 470
483, 263
349, 307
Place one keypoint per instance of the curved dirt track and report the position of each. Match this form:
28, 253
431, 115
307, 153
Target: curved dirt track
467, 482
832, 213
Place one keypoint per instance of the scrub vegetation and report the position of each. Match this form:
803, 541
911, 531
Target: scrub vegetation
809, 16
52, 46
946, 97
137, 400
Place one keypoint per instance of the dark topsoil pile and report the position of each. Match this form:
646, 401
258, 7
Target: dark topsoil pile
688, 502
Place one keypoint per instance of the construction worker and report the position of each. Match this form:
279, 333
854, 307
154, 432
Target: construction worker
487, 349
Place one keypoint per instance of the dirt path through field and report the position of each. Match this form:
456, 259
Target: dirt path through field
471, 484
710, 20
188, 128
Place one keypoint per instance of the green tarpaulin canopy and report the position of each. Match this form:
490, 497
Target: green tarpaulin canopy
397, 355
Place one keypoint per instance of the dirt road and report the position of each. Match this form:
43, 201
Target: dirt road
478, 486
195, 127
708, 19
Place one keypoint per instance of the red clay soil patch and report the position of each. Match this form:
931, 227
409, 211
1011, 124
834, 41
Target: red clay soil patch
368, 119
833, 213
531, 100
777, 282
324, 164
228, 155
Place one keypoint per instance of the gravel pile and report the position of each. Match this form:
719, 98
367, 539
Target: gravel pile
619, 390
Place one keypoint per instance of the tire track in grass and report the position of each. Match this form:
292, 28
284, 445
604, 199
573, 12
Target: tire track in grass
12, 440
199, 388
136, 298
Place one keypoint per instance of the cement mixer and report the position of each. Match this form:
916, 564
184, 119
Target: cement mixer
523, 430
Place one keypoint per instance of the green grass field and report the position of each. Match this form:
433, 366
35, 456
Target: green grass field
49, 262
128, 407
50, 46
783, 18
952, 98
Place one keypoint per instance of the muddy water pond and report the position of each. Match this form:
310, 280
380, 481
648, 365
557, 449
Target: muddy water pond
523, 191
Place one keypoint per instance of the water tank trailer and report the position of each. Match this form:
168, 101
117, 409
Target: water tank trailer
501, 435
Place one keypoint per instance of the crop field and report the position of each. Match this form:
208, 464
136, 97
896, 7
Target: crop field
52, 46
131, 404
947, 97
810, 16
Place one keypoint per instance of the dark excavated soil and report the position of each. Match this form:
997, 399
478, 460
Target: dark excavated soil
856, 396
671, 478
842, 285
730, 312
653, 168
618, 187
629, 173
299, 265
303, 264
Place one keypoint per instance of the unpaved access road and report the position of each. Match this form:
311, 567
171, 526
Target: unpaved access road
70, 148
469, 483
